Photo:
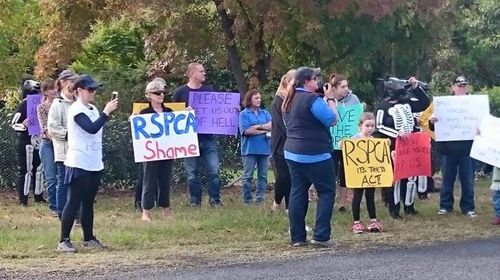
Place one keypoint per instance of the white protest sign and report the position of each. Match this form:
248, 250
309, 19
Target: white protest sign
486, 147
459, 116
167, 135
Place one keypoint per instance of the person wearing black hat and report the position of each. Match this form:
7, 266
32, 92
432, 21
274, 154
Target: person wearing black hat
308, 152
456, 156
83, 161
395, 118
26, 146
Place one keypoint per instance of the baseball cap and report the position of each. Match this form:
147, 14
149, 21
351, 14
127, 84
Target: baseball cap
67, 75
161, 80
155, 86
86, 81
460, 80
306, 73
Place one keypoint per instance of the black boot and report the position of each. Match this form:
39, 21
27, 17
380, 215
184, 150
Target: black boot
39, 199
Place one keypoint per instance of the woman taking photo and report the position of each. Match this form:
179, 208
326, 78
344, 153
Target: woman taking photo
83, 161
254, 125
308, 152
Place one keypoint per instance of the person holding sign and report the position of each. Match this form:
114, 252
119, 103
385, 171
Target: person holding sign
49, 91
367, 127
350, 110
456, 155
395, 118
26, 146
308, 149
83, 161
255, 123
156, 174
209, 152
278, 137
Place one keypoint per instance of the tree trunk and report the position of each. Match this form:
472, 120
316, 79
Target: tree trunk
231, 49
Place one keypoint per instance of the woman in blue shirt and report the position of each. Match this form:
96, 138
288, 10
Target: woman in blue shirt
255, 123
308, 149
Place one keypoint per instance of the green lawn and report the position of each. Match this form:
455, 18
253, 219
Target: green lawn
234, 233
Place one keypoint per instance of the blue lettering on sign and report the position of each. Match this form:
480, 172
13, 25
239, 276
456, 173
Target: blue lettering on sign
180, 124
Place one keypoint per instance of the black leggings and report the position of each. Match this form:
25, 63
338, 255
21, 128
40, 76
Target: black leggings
138, 185
82, 191
156, 184
370, 202
283, 182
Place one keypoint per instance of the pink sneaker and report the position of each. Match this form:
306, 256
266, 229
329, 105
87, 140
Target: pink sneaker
358, 228
375, 226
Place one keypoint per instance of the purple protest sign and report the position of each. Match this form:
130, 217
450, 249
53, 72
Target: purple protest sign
33, 100
216, 112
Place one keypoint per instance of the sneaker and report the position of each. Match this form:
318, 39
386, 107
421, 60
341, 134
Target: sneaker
442, 212
411, 212
395, 215
496, 221
65, 246
300, 244
375, 226
94, 243
54, 213
358, 228
471, 214
323, 244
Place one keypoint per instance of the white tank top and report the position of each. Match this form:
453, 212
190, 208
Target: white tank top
84, 149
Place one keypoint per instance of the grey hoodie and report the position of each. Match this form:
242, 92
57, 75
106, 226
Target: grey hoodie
348, 100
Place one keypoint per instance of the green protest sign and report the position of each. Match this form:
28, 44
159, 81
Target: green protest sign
347, 124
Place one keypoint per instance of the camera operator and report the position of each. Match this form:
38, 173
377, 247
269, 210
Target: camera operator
26, 146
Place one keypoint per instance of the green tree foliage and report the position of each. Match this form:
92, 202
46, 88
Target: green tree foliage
20, 24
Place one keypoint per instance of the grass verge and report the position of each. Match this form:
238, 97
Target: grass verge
232, 234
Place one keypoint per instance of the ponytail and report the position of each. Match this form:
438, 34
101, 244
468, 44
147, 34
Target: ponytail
285, 107
335, 79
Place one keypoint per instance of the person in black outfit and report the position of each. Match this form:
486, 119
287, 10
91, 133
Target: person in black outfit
29, 172
395, 118
278, 136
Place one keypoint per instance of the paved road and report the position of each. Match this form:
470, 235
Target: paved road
465, 260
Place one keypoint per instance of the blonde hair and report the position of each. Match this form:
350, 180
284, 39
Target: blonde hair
366, 116
284, 83
191, 66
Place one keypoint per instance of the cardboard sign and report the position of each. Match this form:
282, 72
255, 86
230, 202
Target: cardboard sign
347, 124
486, 147
459, 116
175, 106
216, 112
367, 163
164, 136
424, 120
412, 156
33, 100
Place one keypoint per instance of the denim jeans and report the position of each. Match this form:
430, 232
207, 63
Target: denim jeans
62, 189
249, 163
465, 166
209, 154
496, 203
49, 168
303, 175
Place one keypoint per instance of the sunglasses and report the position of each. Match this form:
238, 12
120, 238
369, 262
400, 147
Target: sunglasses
158, 93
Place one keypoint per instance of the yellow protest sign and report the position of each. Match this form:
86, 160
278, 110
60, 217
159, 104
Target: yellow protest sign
176, 106
424, 120
367, 163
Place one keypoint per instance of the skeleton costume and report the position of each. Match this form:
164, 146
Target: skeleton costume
29, 170
394, 113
